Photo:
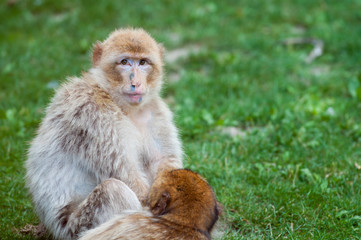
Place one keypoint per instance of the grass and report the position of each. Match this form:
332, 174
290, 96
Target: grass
292, 170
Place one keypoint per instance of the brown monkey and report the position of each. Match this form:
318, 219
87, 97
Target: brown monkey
182, 206
104, 138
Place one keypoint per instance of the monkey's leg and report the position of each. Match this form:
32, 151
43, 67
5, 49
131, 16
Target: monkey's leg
110, 197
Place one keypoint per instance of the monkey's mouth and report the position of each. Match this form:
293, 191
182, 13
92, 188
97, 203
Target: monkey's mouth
134, 97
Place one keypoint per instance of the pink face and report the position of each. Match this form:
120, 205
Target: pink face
134, 72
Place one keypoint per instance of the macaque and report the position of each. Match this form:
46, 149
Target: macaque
181, 206
104, 138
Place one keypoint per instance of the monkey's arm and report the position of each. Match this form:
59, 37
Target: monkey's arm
166, 135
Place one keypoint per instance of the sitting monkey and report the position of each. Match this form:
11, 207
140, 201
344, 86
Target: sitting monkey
181, 206
105, 136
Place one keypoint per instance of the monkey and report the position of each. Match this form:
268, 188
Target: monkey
182, 205
104, 137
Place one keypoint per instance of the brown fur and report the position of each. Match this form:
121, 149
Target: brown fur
182, 206
97, 53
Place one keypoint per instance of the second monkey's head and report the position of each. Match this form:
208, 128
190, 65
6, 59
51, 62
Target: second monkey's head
132, 64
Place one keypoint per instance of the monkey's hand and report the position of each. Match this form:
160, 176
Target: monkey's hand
169, 163
141, 190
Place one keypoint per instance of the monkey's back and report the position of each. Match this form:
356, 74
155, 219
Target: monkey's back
143, 226
53, 173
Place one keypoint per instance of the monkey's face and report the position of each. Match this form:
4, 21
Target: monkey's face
134, 73
132, 63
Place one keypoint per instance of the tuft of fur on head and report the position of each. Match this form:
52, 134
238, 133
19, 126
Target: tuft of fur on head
127, 40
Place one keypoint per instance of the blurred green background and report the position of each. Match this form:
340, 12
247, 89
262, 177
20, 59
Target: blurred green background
276, 136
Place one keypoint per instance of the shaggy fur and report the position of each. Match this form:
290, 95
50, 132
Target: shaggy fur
96, 153
182, 206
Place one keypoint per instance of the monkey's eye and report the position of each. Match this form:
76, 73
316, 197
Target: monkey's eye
142, 62
124, 61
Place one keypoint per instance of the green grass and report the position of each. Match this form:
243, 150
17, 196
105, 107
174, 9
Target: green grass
293, 172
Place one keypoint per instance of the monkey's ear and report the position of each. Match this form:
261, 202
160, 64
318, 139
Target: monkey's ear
219, 208
161, 50
161, 205
97, 53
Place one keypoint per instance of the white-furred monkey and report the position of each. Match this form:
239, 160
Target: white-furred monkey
182, 206
104, 138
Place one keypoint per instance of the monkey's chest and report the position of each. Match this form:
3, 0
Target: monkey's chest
148, 137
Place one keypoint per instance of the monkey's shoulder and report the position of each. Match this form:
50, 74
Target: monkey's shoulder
78, 95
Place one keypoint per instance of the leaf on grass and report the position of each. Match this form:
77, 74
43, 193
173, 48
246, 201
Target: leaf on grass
8, 68
207, 116
307, 175
354, 87
316, 43
10, 114
356, 218
233, 131
357, 166
324, 185
342, 213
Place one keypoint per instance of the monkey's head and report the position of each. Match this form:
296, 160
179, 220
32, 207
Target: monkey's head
132, 63
187, 195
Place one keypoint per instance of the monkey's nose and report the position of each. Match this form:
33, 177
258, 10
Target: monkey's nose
135, 83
